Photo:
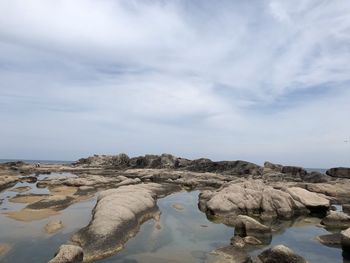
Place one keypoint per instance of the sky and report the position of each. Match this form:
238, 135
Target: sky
227, 80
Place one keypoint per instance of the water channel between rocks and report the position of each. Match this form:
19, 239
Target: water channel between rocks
183, 234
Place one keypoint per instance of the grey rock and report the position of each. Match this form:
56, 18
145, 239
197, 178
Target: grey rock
336, 220
341, 172
280, 254
68, 254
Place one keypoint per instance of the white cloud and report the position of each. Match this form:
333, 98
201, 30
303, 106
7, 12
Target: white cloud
225, 79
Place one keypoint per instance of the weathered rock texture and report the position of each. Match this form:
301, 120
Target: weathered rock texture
280, 254
253, 197
336, 220
341, 172
68, 254
116, 217
246, 226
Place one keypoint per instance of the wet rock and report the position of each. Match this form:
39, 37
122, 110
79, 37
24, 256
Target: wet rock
29, 179
332, 240
345, 240
230, 254
68, 254
336, 220
251, 197
4, 248
280, 254
117, 217
54, 202
346, 208
247, 226
53, 226
21, 189
294, 170
7, 181
340, 172
311, 200
316, 177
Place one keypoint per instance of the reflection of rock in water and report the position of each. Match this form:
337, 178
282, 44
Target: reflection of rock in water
53, 226
178, 207
4, 248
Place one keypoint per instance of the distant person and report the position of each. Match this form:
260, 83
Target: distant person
37, 165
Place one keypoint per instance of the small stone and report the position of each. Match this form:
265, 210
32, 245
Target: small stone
280, 254
178, 207
53, 226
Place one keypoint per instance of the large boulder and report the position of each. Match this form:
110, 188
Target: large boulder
117, 216
68, 254
250, 197
315, 177
247, 226
226, 167
336, 220
312, 201
294, 170
280, 254
341, 172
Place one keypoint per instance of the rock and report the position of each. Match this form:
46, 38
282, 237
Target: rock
68, 254
274, 167
252, 240
311, 200
226, 167
29, 179
117, 216
336, 220
58, 202
345, 240
340, 172
332, 240
294, 170
250, 197
315, 177
7, 181
237, 241
230, 254
247, 226
346, 208
21, 189
53, 226
280, 254
179, 207
4, 248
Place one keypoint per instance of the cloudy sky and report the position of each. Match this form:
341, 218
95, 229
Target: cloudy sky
253, 80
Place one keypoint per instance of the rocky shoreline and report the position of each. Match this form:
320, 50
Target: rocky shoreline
238, 193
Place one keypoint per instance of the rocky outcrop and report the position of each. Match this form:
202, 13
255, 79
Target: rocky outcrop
273, 166
340, 172
315, 177
168, 161
294, 170
336, 220
247, 226
312, 201
280, 254
332, 240
68, 254
117, 216
251, 197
